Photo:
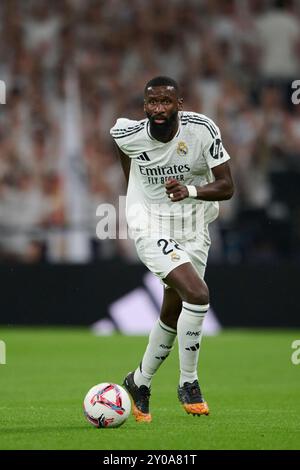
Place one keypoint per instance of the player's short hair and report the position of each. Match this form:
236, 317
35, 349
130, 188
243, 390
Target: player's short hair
161, 81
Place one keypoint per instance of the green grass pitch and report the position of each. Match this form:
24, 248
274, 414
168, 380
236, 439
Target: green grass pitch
247, 377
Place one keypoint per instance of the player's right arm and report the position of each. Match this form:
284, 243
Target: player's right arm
122, 133
125, 163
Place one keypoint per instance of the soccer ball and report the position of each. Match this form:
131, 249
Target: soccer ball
106, 405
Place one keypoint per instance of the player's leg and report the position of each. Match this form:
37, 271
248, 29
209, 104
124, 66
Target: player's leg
159, 346
195, 302
161, 256
161, 338
171, 307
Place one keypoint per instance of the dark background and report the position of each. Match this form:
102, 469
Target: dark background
251, 296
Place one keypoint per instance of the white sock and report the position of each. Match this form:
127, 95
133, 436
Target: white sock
189, 331
160, 344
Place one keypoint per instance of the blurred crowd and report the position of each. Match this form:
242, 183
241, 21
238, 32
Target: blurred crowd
236, 62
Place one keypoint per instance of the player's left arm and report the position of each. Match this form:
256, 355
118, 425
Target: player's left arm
216, 159
219, 190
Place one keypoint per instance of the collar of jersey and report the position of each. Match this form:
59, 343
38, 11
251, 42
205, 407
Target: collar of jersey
176, 135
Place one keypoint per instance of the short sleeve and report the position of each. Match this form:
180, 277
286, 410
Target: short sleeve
213, 150
124, 133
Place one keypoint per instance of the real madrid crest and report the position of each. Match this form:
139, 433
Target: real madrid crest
175, 256
182, 149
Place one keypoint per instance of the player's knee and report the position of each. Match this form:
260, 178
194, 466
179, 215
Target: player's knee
197, 294
170, 318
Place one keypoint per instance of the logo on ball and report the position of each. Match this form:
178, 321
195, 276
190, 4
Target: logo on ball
106, 405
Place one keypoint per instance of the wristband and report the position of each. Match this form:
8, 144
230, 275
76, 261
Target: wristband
192, 190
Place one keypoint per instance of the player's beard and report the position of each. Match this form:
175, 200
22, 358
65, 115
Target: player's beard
164, 129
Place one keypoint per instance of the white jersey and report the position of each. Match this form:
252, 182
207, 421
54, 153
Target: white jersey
189, 157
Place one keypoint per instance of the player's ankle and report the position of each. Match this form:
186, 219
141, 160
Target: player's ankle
140, 379
187, 378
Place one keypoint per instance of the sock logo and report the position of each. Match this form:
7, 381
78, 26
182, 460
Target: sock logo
193, 333
193, 348
162, 358
164, 346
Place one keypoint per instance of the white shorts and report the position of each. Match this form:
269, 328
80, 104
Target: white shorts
163, 254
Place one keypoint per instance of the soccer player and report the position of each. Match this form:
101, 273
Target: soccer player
177, 170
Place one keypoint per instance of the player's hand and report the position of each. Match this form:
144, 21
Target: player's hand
175, 190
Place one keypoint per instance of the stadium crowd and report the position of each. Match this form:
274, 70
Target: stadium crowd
236, 61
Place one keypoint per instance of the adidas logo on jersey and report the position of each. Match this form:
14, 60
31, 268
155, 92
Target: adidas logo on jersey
144, 157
